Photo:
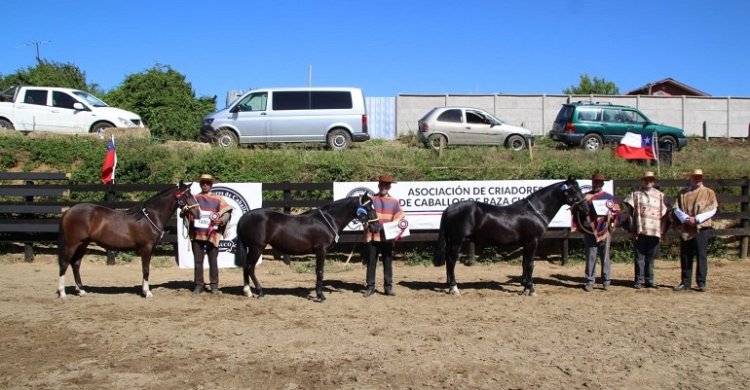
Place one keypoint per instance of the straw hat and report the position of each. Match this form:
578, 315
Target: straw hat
385, 179
597, 177
206, 177
648, 175
697, 172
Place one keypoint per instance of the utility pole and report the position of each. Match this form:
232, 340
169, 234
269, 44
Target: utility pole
36, 44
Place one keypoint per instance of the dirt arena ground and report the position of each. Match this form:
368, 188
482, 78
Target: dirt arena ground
489, 338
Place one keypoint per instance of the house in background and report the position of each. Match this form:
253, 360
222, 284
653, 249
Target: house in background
667, 87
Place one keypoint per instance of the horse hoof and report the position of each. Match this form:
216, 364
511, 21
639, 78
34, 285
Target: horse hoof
321, 299
148, 294
454, 291
247, 291
260, 295
81, 293
529, 293
61, 295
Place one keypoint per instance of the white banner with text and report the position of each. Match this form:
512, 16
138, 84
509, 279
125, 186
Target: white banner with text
423, 202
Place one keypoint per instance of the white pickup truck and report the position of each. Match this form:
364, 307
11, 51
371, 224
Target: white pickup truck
61, 110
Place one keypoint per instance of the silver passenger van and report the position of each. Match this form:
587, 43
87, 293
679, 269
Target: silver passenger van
333, 115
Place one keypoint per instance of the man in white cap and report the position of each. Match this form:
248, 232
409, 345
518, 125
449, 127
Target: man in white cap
647, 205
696, 204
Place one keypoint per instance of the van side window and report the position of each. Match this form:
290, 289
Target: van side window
331, 100
35, 96
254, 102
291, 100
62, 100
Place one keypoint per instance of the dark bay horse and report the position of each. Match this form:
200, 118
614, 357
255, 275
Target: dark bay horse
139, 229
312, 232
520, 224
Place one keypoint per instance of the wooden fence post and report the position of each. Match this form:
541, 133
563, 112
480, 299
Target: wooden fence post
287, 259
28, 248
565, 250
745, 222
111, 196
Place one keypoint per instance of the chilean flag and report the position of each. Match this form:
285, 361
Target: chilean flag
110, 162
636, 147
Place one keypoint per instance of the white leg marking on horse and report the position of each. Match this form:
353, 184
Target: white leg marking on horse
454, 291
248, 292
61, 287
146, 290
80, 292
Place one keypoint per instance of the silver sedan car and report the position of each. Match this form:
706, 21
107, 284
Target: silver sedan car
470, 126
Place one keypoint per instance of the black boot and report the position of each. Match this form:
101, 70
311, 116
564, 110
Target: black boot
370, 290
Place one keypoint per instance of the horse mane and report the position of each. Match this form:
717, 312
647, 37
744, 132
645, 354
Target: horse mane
136, 209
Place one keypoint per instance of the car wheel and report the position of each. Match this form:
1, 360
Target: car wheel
4, 124
592, 142
515, 142
339, 139
434, 141
226, 139
668, 139
99, 127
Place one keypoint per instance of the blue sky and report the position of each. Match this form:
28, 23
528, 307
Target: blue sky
388, 47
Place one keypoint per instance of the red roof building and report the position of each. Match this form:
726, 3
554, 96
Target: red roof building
667, 87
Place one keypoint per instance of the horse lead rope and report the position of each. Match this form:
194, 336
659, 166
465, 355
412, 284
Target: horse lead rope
153, 224
546, 221
336, 235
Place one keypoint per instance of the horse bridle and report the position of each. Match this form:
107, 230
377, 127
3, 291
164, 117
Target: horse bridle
365, 204
180, 205
330, 225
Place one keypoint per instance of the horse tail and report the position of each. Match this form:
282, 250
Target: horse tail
438, 257
240, 251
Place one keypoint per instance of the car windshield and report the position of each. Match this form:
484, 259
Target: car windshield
90, 99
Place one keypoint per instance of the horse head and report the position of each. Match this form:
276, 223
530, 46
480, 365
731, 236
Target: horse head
186, 201
572, 195
366, 214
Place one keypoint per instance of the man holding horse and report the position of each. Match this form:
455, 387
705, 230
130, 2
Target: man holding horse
648, 208
695, 206
206, 231
388, 210
596, 231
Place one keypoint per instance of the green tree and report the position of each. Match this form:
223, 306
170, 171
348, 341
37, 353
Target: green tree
165, 101
597, 86
48, 74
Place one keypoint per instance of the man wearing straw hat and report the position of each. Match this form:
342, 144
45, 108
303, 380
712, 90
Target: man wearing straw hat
206, 232
388, 210
596, 236
696, 204
648, 208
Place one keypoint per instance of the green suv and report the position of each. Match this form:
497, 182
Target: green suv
590, 125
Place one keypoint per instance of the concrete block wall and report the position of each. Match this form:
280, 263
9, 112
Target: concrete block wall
723, 116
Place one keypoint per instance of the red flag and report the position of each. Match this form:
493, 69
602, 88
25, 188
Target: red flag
110, 162
636, 147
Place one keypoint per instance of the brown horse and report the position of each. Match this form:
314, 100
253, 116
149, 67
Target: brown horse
139, 229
